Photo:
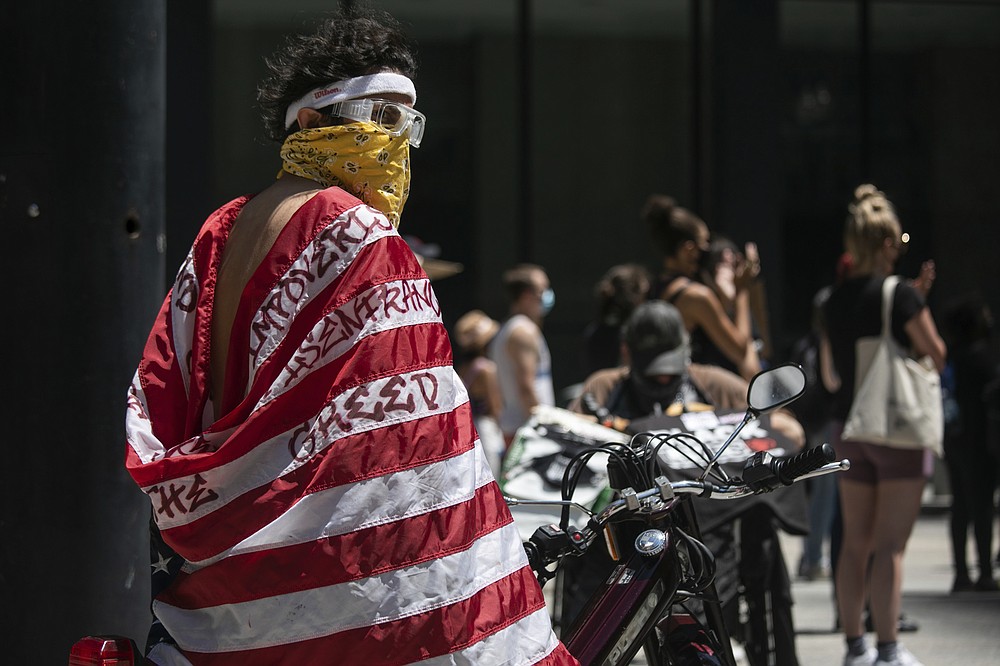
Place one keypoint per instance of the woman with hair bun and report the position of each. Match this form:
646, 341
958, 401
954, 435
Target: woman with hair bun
716, 339
880, 495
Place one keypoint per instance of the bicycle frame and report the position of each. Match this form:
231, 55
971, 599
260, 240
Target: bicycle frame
620, 618
624, 614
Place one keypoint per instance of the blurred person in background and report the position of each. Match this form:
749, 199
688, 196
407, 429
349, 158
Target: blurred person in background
719, 271
524, 363
683, 239
617, 293
472, 333
880, 495
972, 465
659, 377
814, 411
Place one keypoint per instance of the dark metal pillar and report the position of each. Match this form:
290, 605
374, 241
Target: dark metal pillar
525, 244
188, 173
745, 111
81, 210
864, 87
697, 71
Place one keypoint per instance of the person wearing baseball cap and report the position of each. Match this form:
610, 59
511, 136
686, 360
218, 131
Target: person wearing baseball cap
658, 374
659, 352
660, 379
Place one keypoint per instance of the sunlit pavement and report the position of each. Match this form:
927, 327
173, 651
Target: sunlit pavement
954, 628
960, 629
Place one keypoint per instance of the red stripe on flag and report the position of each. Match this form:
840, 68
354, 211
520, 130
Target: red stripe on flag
356, 555
207, 257
387, 260
401, 446
159, 372
397, 351
438, 632
161, 379
558, 657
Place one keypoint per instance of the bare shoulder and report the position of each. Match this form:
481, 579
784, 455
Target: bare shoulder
275, 205
258, 225
524, 333
698, 293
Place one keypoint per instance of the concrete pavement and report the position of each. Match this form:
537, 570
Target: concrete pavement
954, 628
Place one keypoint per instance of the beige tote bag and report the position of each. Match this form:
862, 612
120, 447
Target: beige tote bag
897, 399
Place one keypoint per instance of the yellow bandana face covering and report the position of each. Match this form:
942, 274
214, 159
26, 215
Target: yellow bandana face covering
357, 157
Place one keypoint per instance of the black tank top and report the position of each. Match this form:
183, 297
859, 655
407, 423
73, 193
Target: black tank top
703, 350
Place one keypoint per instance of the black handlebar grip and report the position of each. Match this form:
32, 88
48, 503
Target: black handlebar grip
789, 469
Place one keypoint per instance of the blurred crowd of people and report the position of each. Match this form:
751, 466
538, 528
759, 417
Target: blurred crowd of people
285, 382
717, 318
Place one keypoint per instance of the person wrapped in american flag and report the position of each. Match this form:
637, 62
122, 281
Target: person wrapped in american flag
318, 491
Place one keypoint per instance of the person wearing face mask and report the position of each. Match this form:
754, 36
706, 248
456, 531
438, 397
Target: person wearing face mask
318, 495
524, 364
660, 378
716, 337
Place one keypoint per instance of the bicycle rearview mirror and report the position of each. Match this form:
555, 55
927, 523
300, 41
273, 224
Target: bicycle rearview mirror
775, 387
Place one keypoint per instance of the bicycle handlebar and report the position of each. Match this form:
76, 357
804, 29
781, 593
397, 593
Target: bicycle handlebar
791, 469
761, 473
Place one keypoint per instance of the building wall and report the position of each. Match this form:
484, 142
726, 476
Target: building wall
795, 114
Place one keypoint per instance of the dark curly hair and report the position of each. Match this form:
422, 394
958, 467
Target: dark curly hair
353, 43
620, 290
670, 225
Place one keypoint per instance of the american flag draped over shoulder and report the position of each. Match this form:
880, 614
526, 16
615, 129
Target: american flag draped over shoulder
340, 511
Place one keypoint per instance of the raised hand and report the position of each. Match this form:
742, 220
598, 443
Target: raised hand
925, 280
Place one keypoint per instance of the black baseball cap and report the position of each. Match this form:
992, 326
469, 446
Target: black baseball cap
657, 340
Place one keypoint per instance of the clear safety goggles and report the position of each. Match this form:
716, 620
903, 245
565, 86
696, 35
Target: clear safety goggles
393, 118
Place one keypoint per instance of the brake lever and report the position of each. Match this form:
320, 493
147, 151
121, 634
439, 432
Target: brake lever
548, 544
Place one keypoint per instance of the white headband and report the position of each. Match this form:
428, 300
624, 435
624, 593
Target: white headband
359, 86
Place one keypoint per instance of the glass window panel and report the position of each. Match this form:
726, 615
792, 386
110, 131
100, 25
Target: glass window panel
820, 143
935, 135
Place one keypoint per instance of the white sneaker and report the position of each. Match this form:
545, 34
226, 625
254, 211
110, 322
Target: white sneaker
903, 658
866, 659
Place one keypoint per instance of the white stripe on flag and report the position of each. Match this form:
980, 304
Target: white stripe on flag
138, 429
290, 450
307, 614
384, 307
377, 501
183, 306
516, 645
321, 262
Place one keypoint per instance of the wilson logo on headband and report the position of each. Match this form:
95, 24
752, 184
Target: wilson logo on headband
359, 86
317, 94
